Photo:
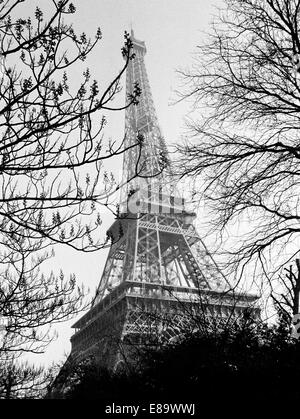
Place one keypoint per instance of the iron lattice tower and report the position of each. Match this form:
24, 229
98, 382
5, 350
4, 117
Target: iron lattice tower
157, 263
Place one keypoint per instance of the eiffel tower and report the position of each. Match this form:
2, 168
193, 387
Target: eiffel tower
157, 266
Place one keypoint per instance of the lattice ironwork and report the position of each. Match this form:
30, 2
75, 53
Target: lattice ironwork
158, 268
156, 248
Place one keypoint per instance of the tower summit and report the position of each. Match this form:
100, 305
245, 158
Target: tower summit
148, 162
157, 268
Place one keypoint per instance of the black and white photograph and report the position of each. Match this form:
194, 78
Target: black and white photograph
149, 198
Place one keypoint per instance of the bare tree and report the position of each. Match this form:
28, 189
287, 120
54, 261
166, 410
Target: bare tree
286, 292
52, 151
22, 381
245, 149
31, 301
49, 131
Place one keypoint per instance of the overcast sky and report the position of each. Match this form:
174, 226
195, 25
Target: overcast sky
171, 30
